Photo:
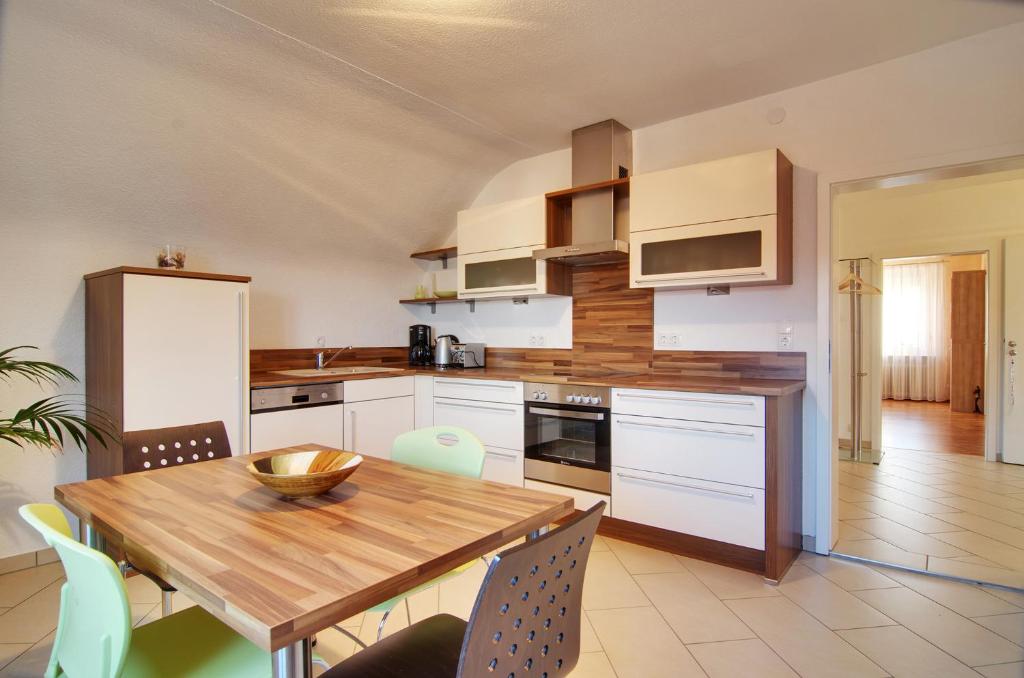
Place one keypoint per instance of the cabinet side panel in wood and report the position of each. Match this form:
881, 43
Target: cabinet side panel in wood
104, 368
784, 483
784, 221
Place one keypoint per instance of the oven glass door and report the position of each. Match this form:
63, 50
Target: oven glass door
573, 435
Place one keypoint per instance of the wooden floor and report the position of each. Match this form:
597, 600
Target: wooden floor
912, 425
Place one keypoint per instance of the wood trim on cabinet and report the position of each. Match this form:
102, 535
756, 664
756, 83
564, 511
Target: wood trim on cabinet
168, 272
783, 483
784, 221
732, 555
618, 184
104, 369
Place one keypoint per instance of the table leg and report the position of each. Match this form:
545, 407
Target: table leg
294, 661
90, 537
536, 533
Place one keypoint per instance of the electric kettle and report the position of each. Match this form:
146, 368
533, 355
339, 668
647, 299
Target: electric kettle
444, 350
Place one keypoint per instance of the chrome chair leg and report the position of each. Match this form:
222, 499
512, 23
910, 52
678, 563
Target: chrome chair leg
166, 603
380, 626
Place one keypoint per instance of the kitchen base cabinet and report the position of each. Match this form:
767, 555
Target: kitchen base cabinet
371, 426
728, 513
724, 488
582, 498
503, 466
318, 425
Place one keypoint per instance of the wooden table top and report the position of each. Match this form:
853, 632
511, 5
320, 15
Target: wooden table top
277, 571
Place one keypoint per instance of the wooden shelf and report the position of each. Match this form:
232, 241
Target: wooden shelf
443, 255
618, 184
434, 301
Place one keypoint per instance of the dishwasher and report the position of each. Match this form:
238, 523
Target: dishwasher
282, 416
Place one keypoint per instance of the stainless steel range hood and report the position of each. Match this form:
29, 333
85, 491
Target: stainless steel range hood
598, 229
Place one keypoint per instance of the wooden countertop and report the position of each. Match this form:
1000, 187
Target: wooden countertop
664, 382
276, 570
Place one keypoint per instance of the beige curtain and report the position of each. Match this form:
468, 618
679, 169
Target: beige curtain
915, 331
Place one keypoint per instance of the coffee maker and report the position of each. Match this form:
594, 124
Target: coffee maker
420, 352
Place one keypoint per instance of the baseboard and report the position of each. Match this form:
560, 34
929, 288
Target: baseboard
23, 561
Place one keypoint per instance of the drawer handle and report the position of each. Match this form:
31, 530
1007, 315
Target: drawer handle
640, 281
685, 428
502, 454
745, 495
476, 383
567, 414
707, 401
476, 407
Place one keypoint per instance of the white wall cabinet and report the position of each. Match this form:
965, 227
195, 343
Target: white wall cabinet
503, 226
723, 222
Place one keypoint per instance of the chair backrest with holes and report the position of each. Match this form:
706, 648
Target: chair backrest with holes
94, 627
526, 620
161, 447
441, 448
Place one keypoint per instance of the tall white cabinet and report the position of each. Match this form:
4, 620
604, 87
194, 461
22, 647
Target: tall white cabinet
166, 348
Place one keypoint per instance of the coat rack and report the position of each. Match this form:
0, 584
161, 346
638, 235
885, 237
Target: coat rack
856, 287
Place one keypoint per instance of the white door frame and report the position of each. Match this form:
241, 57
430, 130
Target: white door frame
890, 173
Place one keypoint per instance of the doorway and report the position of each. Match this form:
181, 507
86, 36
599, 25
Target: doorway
938, 371
934, 329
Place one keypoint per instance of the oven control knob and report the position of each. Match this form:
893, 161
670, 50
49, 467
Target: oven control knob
596, 400
323, 395
568, 398
586, 399
536, 395
543, 395
577, 398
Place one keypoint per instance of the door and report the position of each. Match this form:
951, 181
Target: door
186, 354
318, 425
371, 426
511, 272
1013, 332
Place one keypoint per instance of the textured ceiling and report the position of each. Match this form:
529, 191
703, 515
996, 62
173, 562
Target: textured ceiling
535, 70
365, 126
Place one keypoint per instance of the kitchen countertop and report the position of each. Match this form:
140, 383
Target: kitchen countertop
665, 382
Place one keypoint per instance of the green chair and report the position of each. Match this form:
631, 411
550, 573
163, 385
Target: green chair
449, 449
95, 638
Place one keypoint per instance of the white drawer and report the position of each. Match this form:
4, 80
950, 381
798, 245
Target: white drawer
503, 466
488, 390
376, 389
495, 424
582, 499
713, 407
727, 513
719, 452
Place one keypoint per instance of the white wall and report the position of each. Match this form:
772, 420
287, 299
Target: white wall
127, 125
955, 103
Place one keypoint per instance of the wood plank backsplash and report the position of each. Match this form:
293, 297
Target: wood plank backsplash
612, 325
612, 332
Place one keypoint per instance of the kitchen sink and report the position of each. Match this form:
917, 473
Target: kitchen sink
338, 371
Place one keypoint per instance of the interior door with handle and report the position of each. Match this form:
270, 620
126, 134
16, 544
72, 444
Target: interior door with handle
1013, 336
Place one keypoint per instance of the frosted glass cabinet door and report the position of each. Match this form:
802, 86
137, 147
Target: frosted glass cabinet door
512, 272
186, 354
737, 251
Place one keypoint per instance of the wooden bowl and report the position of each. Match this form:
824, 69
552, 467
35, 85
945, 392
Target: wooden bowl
305, 474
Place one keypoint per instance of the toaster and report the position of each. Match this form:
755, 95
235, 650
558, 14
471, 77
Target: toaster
468, 355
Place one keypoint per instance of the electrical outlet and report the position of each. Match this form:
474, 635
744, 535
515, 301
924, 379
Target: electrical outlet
673, 339
785, 342
540, 339
662, 340
321, 341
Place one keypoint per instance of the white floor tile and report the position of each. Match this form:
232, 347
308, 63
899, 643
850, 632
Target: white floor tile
904, 654
640, 644
691, 609
737, 657
833, 606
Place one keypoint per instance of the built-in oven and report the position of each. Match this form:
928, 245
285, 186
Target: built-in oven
568, 435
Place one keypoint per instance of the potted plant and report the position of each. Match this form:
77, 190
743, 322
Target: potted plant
47, 423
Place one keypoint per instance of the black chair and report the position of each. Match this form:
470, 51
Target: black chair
156, 448
525, 622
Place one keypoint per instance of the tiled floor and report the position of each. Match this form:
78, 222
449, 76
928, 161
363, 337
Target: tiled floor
651, 614
944, 512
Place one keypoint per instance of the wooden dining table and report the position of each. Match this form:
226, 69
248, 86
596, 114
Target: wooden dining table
277, 570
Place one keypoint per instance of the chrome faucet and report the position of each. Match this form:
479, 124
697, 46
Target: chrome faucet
321, 363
